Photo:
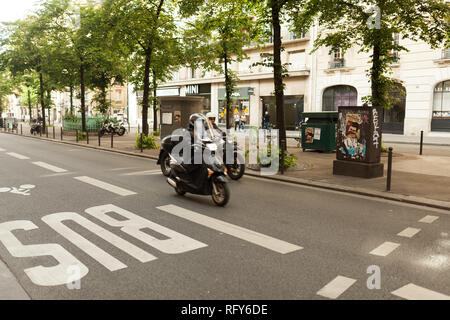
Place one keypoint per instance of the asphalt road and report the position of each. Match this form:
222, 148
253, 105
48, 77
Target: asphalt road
273, 240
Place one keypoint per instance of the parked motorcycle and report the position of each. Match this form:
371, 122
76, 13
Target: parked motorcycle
36, 127
113, 128
207, 178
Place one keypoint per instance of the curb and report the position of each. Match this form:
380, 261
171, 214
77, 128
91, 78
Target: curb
436, 204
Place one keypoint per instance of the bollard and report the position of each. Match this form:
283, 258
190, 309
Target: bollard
54, 133
46, 132
76, 133
142, 142
40, 131
421, 142
61, 133
112, 140
139, 129
87, 136
389, 170
21, 130
99, 140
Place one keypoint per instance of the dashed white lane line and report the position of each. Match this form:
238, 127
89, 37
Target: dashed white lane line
409, 232
429, 219
259, 239
106, 186
2, 150
385, 249
143, 173
336, 287
414, 292
17, 156
49, 167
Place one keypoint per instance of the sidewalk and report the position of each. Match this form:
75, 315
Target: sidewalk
424, 178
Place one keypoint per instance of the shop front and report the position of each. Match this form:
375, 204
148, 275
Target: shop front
293, 109
240, 104
201, 90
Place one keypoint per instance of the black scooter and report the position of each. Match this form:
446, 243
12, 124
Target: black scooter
235, 170
207, 178
36, 127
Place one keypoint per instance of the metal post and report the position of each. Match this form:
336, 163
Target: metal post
61, 133
87, 136
112, 140
99, 139
283, 147
139, 128
40, 131
76, 136
142, 142
389, 170
421, 142
54, 133
46, 131
21, 130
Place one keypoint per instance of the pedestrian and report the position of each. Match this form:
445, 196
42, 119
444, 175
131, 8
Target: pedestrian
243, 120
237, 119
266, 119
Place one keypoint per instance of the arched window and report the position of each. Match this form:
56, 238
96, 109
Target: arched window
339, 96
441, 100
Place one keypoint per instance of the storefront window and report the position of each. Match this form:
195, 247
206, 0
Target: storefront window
441, 101
339, 96
237, 107
293, 109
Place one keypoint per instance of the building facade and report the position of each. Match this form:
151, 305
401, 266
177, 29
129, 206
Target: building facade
322, 81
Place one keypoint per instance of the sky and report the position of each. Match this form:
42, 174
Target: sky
12, 10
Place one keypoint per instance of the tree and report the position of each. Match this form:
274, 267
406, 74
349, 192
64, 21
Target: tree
371, 25
217, 36
141, 25
7, 85
272, 14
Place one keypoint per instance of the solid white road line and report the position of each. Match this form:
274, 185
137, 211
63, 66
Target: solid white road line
106, 186
18, 156
143, 173
49, 167
428, 219
385, 249
233, 230
414, 292
2, 150
409, 232
336, 287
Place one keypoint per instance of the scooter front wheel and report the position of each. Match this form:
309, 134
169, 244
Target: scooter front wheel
220, 193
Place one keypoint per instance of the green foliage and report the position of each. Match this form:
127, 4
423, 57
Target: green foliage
289, 158
345, 24
148, 141
81, 135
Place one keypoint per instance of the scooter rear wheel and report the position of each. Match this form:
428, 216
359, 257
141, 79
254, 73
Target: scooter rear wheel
180, 191
222, 196
165, 164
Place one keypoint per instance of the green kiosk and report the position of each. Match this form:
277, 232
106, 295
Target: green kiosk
319, 131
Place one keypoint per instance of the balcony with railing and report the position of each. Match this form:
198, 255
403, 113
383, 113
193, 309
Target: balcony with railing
446, 53
337, 63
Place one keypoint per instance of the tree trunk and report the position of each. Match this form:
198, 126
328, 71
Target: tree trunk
71, 99
41, 87
228, 92
29, 102
375, 73
83, 99
145, 99
278, 72
155, 103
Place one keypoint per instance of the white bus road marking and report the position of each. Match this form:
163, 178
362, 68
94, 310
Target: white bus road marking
2, 150
409, 232
259, 239
143, 173
336, 287
49, 167
17, 156
428, 219
385, 249
414, 292
106, 186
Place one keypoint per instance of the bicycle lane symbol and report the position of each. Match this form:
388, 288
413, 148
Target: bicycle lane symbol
24, 190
